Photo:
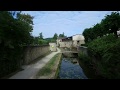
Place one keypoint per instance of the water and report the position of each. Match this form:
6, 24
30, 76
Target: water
70, 69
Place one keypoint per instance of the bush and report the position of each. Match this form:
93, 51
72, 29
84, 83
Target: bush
84, 58
106, 50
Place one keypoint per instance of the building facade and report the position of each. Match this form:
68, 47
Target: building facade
72, 41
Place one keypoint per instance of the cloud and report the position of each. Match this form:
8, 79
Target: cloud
69, 22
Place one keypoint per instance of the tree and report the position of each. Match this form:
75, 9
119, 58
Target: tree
41, 36
112, 22
88, 34
62, 35
14, 32
26, 19
55, 36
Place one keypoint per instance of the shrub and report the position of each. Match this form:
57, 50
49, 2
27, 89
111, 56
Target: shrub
105, 50
84, 58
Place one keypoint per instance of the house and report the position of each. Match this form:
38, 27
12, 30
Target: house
66, 42
78, 39
72, 41
59, 40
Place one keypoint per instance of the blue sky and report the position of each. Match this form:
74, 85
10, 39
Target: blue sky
69, 22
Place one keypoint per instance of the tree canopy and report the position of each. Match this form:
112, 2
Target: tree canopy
110, 24
41, 36
14, 33
55, 36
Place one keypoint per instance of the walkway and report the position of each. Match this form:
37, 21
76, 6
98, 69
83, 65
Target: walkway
30, 71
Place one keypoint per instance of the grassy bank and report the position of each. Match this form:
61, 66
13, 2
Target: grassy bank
58, 68
103, 57
87, 66
49, 70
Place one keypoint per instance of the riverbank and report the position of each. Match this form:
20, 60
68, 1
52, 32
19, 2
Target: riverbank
50, 69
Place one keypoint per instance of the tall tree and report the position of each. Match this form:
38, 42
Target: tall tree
88, 34
41, 36
111, 22
62, 35
55, 36
28, 19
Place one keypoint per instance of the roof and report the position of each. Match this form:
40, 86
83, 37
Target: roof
82, 37
74, 35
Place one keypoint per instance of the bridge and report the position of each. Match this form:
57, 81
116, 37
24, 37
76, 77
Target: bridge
70, 53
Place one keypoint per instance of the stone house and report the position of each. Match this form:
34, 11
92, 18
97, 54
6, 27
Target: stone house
72, 41
78, 39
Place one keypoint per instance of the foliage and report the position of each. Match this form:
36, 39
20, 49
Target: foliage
105, 52
41, 41
55, 36
84, 58
110, 24
41, 36
14, 33
62, 35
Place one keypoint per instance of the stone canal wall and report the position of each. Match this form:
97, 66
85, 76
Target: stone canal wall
33, 52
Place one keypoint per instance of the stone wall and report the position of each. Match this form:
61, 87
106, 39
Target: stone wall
70, 54
33, 52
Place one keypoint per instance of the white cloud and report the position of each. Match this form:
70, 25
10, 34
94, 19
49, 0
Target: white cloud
69, 22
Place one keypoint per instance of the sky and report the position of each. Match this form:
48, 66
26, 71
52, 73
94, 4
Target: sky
69, 22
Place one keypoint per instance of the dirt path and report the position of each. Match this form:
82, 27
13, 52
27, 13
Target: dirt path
30, 71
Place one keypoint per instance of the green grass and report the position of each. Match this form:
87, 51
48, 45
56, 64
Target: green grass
48, 68
58, 68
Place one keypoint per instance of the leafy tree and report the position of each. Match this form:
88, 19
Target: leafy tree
62, 35
41, 36
105, 56
14, 33
88, 34
97, 30
112, 22
55, 36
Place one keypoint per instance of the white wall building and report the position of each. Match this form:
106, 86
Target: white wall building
73, 41
78, 39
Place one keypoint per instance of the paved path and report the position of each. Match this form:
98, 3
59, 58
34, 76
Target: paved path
30, 71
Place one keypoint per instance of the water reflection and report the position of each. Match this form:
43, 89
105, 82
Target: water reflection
70, 69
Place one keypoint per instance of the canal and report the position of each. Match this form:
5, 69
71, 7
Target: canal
70, 69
